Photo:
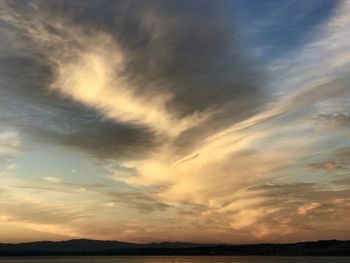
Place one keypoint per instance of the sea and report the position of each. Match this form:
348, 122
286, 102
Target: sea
176, 259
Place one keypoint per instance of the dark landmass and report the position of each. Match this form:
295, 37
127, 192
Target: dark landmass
96, 247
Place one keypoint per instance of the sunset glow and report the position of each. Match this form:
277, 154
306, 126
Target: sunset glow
202, 121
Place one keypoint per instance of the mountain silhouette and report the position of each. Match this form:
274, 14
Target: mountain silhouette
99, 247
86, 245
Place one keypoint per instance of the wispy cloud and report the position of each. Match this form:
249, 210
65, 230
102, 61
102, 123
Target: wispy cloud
9, 141
193, 132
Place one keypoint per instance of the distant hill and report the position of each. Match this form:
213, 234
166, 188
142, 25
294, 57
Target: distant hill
97, 247
86, 245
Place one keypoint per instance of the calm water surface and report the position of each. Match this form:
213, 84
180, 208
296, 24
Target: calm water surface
178, 259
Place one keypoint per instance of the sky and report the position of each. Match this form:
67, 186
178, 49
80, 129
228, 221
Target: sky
177, 120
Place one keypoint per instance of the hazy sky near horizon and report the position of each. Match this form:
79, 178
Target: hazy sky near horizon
187, 120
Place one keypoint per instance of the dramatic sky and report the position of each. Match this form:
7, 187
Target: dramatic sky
189, 120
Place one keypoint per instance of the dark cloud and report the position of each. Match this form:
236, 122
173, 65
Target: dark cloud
100, 138
27, 104
191, 50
